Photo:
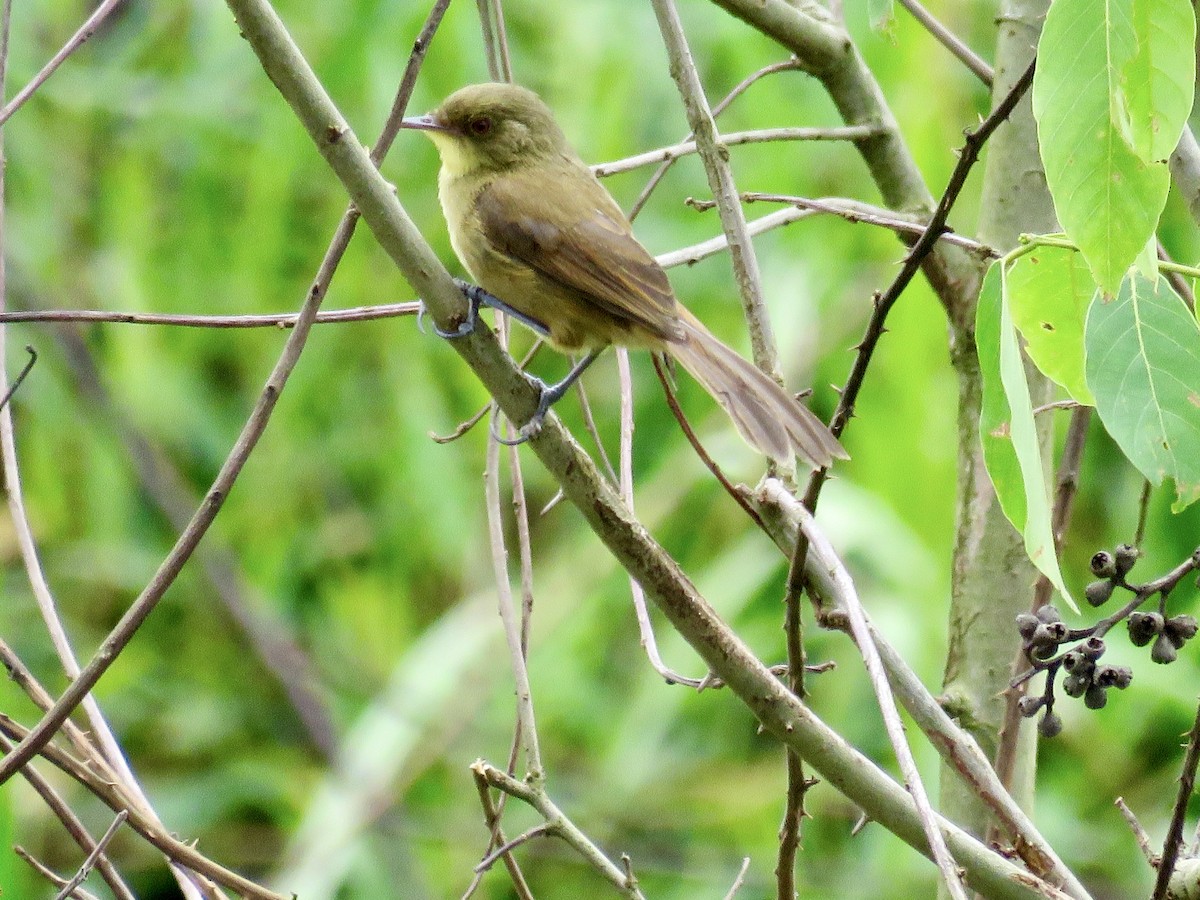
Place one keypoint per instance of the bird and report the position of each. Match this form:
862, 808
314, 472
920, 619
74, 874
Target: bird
545, 241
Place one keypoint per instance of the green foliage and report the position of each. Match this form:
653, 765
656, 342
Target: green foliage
1012, 450
1112, 91
1144, 368
159, 171
1048, 291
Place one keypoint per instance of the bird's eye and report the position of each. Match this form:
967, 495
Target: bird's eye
480, 126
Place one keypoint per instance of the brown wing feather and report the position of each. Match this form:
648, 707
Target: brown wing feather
596, 257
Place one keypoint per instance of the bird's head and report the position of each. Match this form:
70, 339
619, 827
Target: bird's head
492, 127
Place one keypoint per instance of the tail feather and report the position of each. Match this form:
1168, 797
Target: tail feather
769, 420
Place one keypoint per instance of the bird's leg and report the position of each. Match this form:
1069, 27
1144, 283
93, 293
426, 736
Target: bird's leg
477, 297
549, 395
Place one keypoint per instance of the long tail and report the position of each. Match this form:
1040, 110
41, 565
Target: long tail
771, 422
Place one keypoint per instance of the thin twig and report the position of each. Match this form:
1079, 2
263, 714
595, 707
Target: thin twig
950, 41
188, 320
1174, 838
734, 139
798, 784
50, 875
86, 30
75, 828
1139, 833
93, 857
589, 423
887, 706
559, 825
491, 818
740, 880
508, 615
693, 439
742, 256
1139, 533
738, 90
856, 211
26, 369
536, 831
495, 44
625, 463
111, 796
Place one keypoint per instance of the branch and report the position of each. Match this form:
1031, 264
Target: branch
268, 320
950, 41
1174, 839
783, 512
733, 139
824, 49
859, 629
629, 542
179, 852
86, 30
720, 181
557, 824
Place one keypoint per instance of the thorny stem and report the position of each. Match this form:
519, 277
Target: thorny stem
1174, 839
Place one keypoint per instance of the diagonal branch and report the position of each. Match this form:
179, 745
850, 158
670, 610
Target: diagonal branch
780, 712
720, 180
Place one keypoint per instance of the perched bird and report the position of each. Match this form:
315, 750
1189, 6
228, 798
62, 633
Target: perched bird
548, 243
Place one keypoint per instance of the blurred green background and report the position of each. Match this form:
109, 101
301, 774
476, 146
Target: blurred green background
160, 171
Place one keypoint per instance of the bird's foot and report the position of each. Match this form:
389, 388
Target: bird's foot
547, 397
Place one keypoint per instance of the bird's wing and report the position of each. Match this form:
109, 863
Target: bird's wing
594, 254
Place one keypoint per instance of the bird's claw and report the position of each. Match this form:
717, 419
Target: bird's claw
533, 427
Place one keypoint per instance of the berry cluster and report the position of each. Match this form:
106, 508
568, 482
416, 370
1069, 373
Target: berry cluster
1043, 634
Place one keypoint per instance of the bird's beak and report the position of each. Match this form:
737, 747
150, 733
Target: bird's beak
423, 123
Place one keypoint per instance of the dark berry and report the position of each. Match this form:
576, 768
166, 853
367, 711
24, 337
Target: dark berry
1104, 564
1098, 592
1050, 725
1029, 705
1163, 650
1125, 556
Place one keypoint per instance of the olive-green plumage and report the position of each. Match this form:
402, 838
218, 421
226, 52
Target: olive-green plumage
536, 229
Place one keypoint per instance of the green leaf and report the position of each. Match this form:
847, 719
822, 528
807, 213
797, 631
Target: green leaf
1154, 94
1006, 428
1143, 365
1107, 199
1049, 290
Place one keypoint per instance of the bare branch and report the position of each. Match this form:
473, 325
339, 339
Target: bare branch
508, 615
86, 30
50, 875
1139, 833
733, 139
93, 857
179, 852
950, 41
267, 320
560, 826
820, 546
1174, 839
720, 181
